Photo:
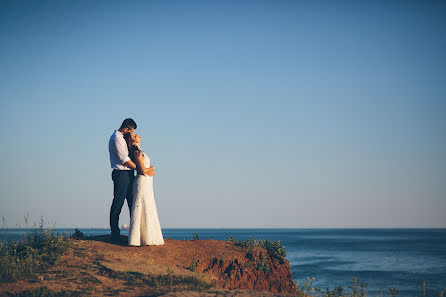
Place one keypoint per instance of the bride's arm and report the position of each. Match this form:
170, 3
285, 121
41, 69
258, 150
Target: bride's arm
140, 167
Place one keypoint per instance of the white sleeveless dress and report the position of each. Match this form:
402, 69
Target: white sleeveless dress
145, 227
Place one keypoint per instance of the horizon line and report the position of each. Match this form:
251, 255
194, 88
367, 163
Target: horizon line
243, 228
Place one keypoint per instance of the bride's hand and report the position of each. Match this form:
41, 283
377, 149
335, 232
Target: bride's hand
152, 171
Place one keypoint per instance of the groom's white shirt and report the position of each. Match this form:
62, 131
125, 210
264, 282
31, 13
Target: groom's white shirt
119, 153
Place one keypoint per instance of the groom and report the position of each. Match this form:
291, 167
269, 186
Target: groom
122, 175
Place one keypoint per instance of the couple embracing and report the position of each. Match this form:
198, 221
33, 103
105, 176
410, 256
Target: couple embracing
126, 156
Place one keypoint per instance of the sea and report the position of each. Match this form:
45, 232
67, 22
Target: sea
381, 258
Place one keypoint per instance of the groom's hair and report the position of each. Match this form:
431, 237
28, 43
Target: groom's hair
128, 123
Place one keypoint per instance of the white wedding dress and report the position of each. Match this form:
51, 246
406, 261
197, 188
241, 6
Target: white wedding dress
145, 227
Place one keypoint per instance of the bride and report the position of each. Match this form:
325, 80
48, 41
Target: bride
144, 223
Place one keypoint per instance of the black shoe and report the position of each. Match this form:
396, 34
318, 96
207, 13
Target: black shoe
115, 238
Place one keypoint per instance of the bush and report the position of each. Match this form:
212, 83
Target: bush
77, 234
231, 239
36, 252
275, 249
263, 265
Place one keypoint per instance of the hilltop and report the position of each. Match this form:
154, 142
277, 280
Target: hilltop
95, 266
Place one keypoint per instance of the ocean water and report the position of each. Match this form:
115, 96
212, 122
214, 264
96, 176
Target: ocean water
383, 258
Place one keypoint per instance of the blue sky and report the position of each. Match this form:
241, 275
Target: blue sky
298, 114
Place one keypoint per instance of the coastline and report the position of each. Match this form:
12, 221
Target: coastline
384, 259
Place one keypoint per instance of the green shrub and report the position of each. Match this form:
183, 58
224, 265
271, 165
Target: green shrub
77, 234
231, 239
36, 252
263, 265
275, 249
249, 243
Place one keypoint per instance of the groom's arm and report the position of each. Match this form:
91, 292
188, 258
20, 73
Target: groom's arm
130, 164
123, 154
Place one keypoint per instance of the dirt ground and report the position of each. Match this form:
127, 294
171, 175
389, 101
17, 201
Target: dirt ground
97, 267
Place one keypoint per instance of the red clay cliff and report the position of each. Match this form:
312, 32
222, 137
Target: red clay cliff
103, 268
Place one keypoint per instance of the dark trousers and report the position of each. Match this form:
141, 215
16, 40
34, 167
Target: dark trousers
122, 189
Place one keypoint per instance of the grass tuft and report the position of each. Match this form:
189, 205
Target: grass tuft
193, 265
167, 281
37, 251
45, 292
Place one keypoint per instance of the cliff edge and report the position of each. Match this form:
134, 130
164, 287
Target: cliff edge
98, 267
